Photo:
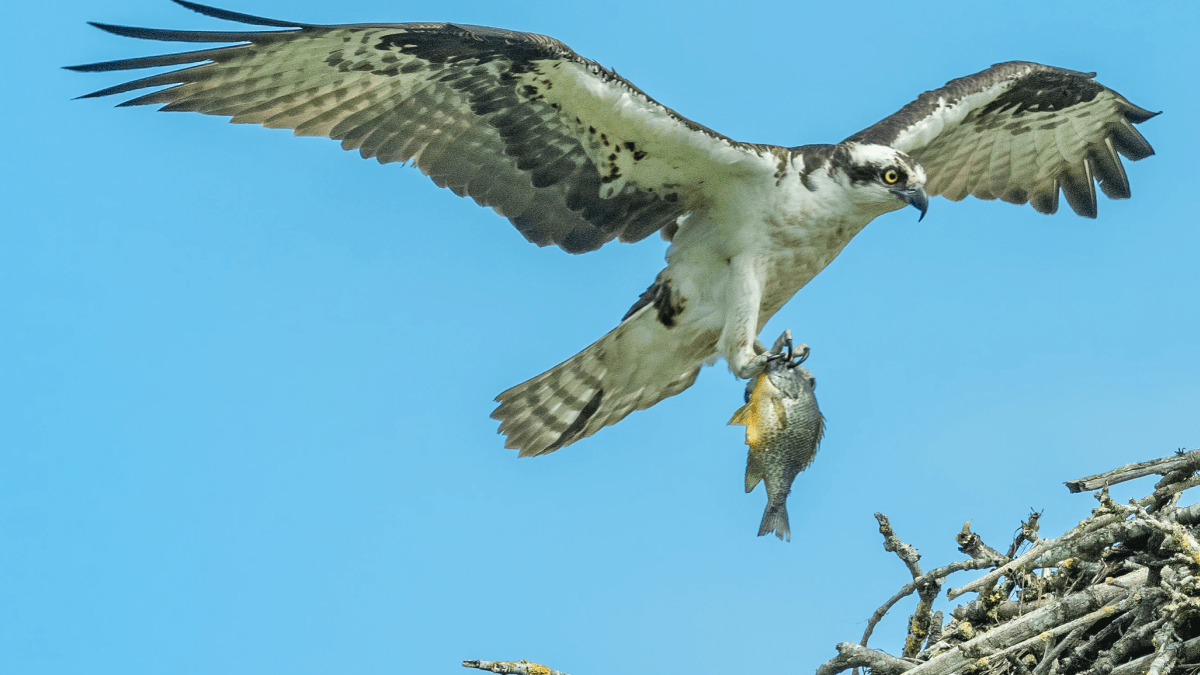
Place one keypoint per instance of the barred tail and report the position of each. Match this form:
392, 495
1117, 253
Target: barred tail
634, 366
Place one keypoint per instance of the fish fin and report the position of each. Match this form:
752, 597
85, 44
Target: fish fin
775, 519
754, 470
747, 416
780, 413
741, 416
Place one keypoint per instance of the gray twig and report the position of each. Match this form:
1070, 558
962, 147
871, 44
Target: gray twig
521, 667
851, 655
909, 588
891, 542
1052, 655
971, 544
1190, 460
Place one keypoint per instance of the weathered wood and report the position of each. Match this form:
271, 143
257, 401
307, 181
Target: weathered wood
1187, 460
1116, 595
521, 667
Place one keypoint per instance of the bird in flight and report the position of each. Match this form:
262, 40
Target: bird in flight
575, 155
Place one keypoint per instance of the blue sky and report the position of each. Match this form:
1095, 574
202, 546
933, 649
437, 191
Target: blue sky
247, 377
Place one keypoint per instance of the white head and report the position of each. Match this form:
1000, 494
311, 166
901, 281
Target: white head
879, 177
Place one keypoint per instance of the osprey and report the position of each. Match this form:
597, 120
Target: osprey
575, 155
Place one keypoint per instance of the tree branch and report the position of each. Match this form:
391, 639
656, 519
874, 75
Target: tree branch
907, 589
851, 655
1188, 461
521, 667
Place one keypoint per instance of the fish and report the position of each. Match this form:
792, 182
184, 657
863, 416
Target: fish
784, 427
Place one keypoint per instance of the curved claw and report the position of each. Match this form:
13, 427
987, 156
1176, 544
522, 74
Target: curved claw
784, 348
786, 353
802, 351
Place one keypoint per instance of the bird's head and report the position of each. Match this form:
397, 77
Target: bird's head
881, 177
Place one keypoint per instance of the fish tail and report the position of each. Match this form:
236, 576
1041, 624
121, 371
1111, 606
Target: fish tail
775, 519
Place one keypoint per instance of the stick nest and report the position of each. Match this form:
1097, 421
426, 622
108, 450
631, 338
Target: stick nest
1118, 594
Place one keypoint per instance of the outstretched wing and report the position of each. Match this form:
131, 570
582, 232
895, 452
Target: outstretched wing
1020, 132
567, 150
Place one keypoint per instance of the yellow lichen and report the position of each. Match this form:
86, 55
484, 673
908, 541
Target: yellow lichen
1186, 543
918, 629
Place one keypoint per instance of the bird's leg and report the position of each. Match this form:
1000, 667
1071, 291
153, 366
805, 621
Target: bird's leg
738, 337
746, 367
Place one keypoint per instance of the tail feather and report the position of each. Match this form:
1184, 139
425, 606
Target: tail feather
775, 519
619, 373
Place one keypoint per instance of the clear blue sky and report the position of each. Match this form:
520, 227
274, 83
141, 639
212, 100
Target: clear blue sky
245, 378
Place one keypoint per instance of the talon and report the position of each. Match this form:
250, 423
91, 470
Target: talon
785, 339
802, 355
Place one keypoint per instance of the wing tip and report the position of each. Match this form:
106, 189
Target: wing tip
201, 36
1139, 115
227, 15
123, 31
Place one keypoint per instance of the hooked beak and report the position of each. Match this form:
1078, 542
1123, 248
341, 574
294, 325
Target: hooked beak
916, 197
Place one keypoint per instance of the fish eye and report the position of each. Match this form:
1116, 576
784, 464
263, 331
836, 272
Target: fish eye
891, 176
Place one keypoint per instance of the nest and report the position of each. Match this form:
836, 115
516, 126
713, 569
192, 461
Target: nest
1118, 594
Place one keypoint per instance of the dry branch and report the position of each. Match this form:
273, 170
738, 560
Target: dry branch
1187, 461
1116, 595
521, 667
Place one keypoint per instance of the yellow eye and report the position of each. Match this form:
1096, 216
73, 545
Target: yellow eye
890, 176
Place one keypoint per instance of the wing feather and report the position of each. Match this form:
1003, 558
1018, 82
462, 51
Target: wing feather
1113, 180
1001, 167
1020, 132
570, 152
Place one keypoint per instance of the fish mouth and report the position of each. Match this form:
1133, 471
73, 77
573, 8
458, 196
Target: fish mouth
916, 197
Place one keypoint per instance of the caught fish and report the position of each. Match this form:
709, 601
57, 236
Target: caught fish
783, 429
